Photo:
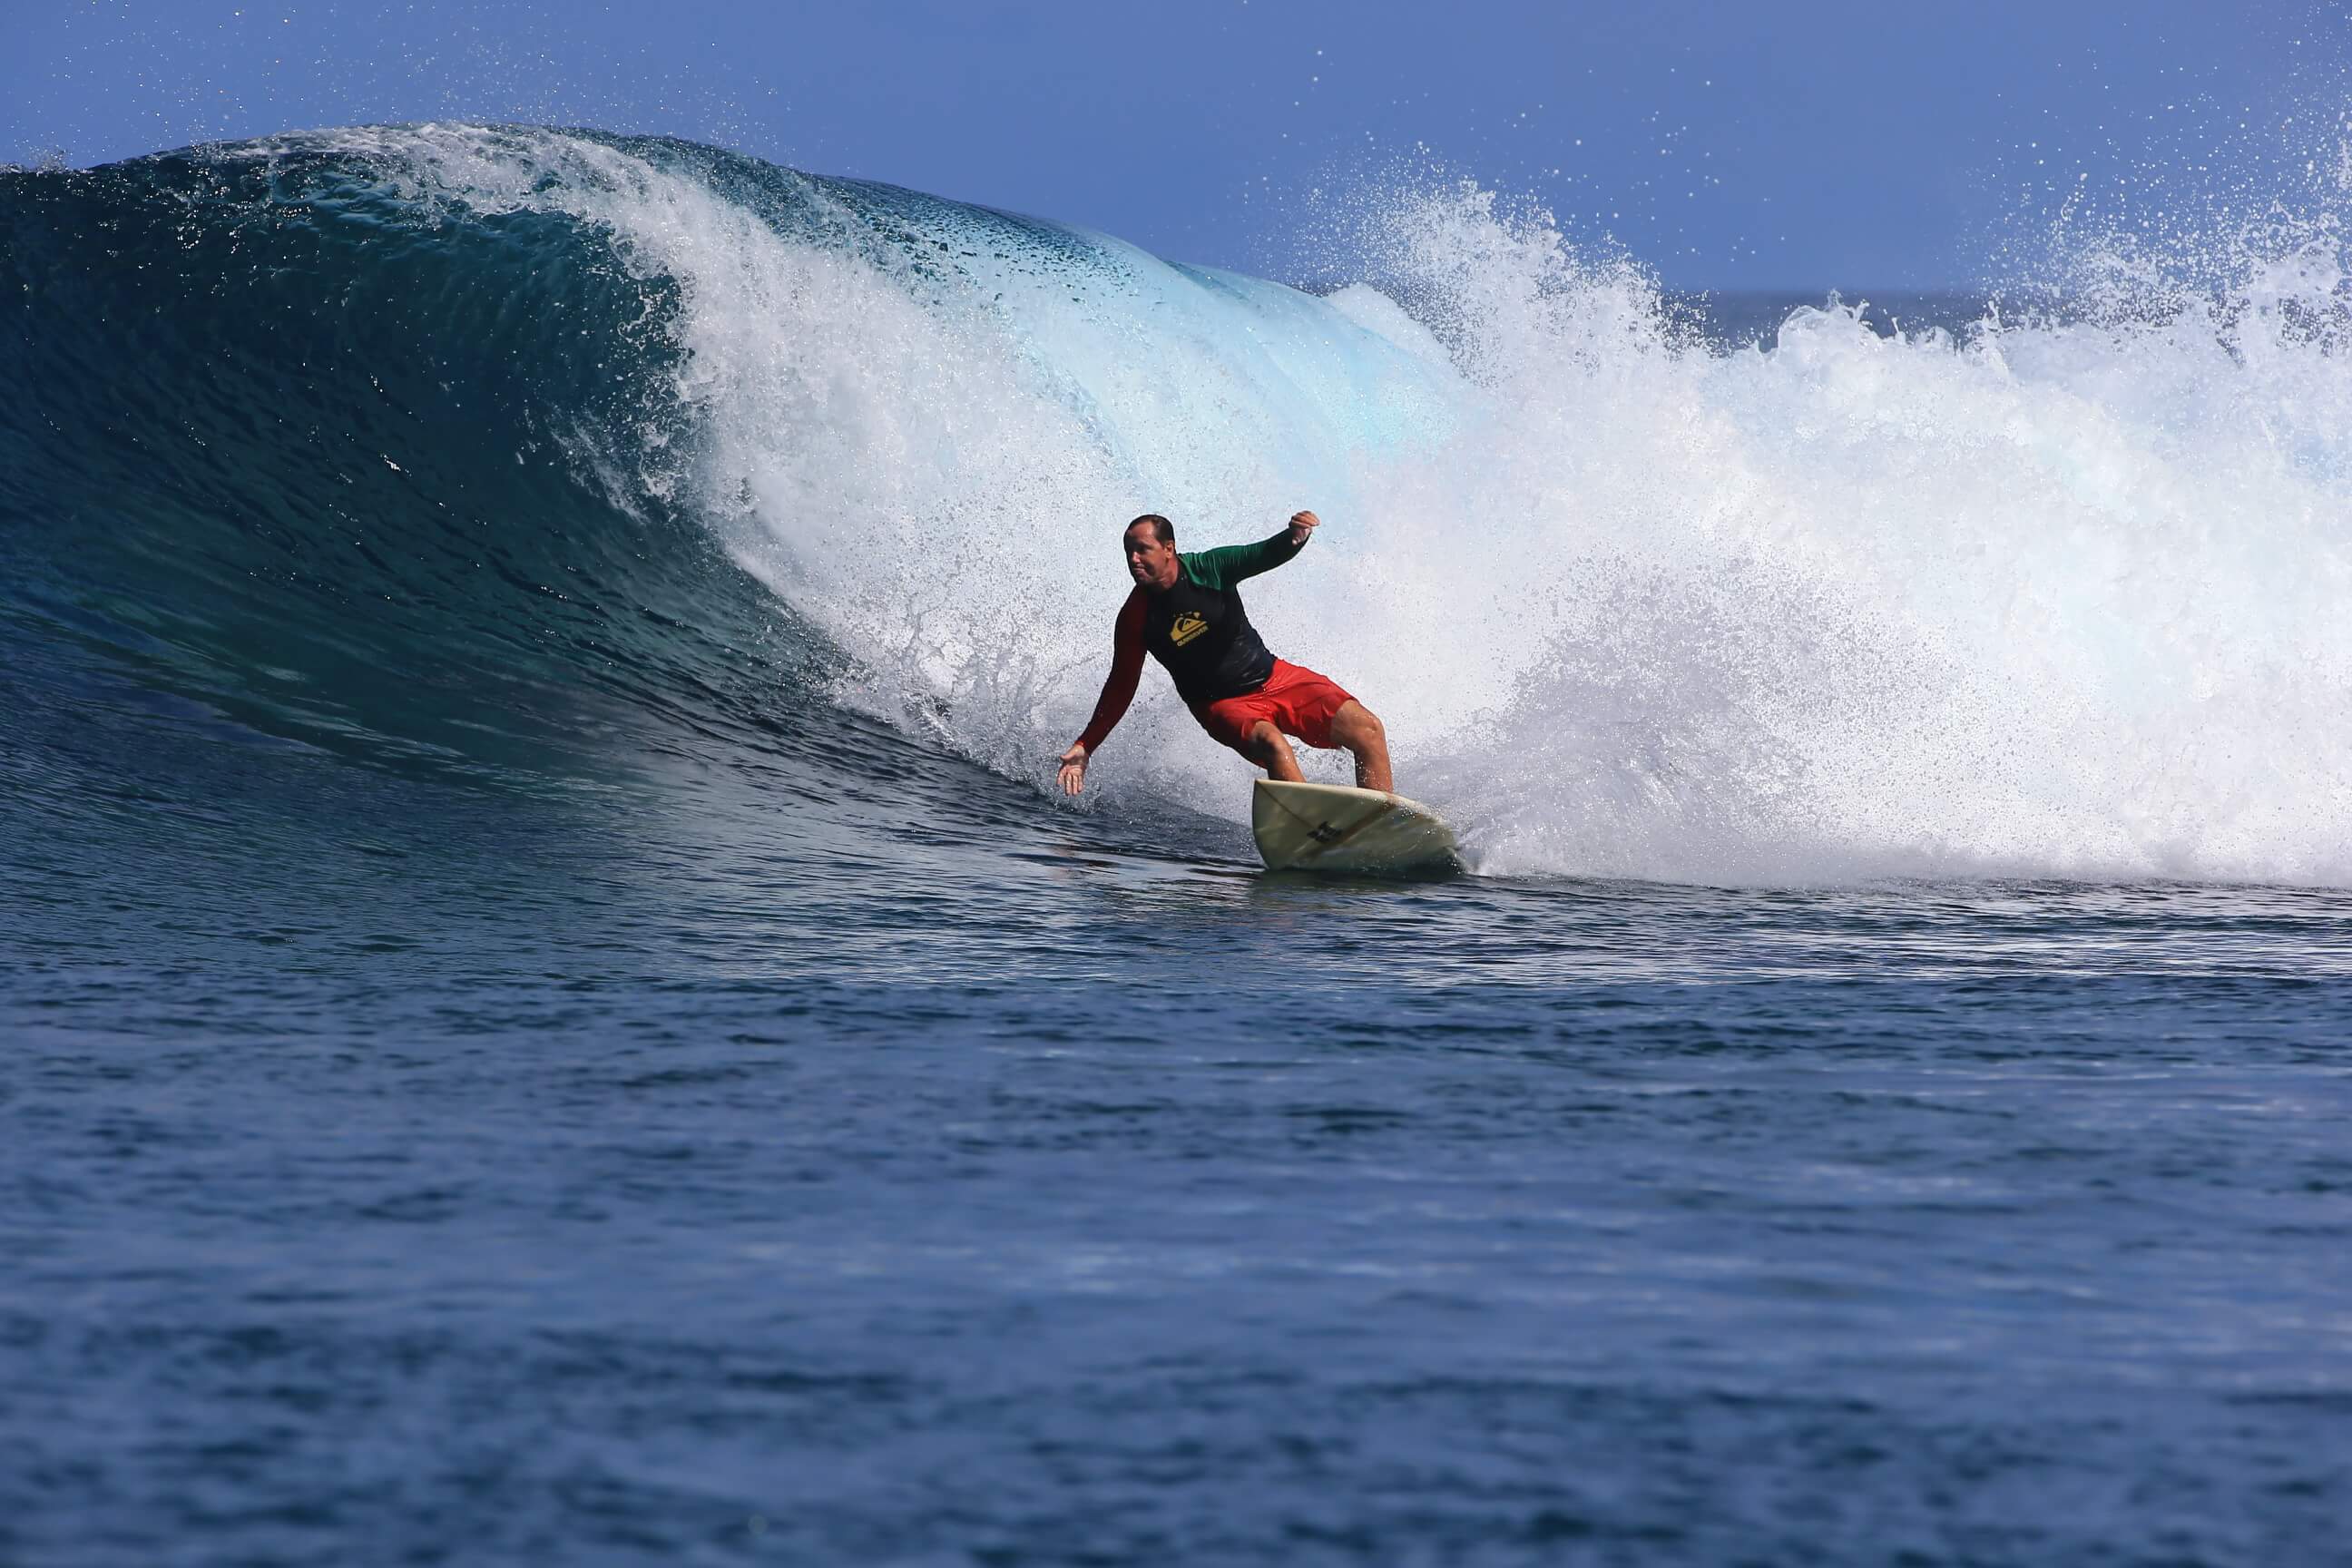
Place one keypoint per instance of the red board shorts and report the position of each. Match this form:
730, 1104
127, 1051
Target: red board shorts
1294, 700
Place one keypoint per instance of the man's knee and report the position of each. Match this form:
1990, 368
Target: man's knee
1263, 740
1357, 725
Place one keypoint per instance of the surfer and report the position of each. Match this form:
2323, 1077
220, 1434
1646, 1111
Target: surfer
1185, 611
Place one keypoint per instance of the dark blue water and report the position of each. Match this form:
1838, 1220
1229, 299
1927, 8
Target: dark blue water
502, 1065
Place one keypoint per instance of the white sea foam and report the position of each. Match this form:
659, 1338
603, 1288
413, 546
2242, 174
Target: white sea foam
2058, 599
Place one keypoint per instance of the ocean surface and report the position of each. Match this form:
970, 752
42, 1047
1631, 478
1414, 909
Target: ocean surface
549, 1012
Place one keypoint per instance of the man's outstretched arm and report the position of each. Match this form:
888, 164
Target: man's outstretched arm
1118, 690
1228, 564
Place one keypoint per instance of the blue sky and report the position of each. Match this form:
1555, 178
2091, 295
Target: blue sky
1725, 145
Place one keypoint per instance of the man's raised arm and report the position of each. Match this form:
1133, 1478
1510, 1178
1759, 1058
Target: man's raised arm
1118, 690
1228, 564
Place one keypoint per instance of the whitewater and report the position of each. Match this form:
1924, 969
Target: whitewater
550, 1009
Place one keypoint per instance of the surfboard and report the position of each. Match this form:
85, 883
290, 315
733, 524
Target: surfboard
1360, 832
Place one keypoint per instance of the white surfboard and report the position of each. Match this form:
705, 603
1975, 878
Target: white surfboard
1365, 831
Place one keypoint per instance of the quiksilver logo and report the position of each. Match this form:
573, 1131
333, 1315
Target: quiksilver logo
1187, 626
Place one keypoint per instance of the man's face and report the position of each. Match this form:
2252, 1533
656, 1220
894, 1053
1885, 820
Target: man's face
1152, 563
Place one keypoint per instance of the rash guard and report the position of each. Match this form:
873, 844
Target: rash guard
1197, 629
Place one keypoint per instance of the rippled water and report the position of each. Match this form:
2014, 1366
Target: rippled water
1039, 1201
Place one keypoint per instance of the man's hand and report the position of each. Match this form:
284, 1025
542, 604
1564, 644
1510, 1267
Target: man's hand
1074, 770
1302, 524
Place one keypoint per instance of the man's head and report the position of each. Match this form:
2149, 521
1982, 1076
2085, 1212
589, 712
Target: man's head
1150, 545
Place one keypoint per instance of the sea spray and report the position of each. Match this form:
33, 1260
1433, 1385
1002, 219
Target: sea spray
2049, 598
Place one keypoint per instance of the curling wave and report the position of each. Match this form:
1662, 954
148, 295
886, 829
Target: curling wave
477, 442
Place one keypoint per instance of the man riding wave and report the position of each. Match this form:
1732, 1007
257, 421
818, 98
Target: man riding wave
1186, 613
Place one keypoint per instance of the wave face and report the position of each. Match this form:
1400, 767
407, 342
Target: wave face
475, 447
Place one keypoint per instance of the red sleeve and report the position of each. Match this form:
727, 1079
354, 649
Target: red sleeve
1126, 670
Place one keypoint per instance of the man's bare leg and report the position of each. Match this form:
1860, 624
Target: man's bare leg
1270, 750
1356, 728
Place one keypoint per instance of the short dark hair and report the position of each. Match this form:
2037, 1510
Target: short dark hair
1161, 529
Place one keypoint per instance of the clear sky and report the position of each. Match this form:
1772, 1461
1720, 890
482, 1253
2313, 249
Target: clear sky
1808, 144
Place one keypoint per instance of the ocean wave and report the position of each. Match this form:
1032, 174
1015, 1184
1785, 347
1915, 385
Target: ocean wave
426, 438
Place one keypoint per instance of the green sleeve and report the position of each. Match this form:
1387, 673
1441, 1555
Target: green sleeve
1229, 564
